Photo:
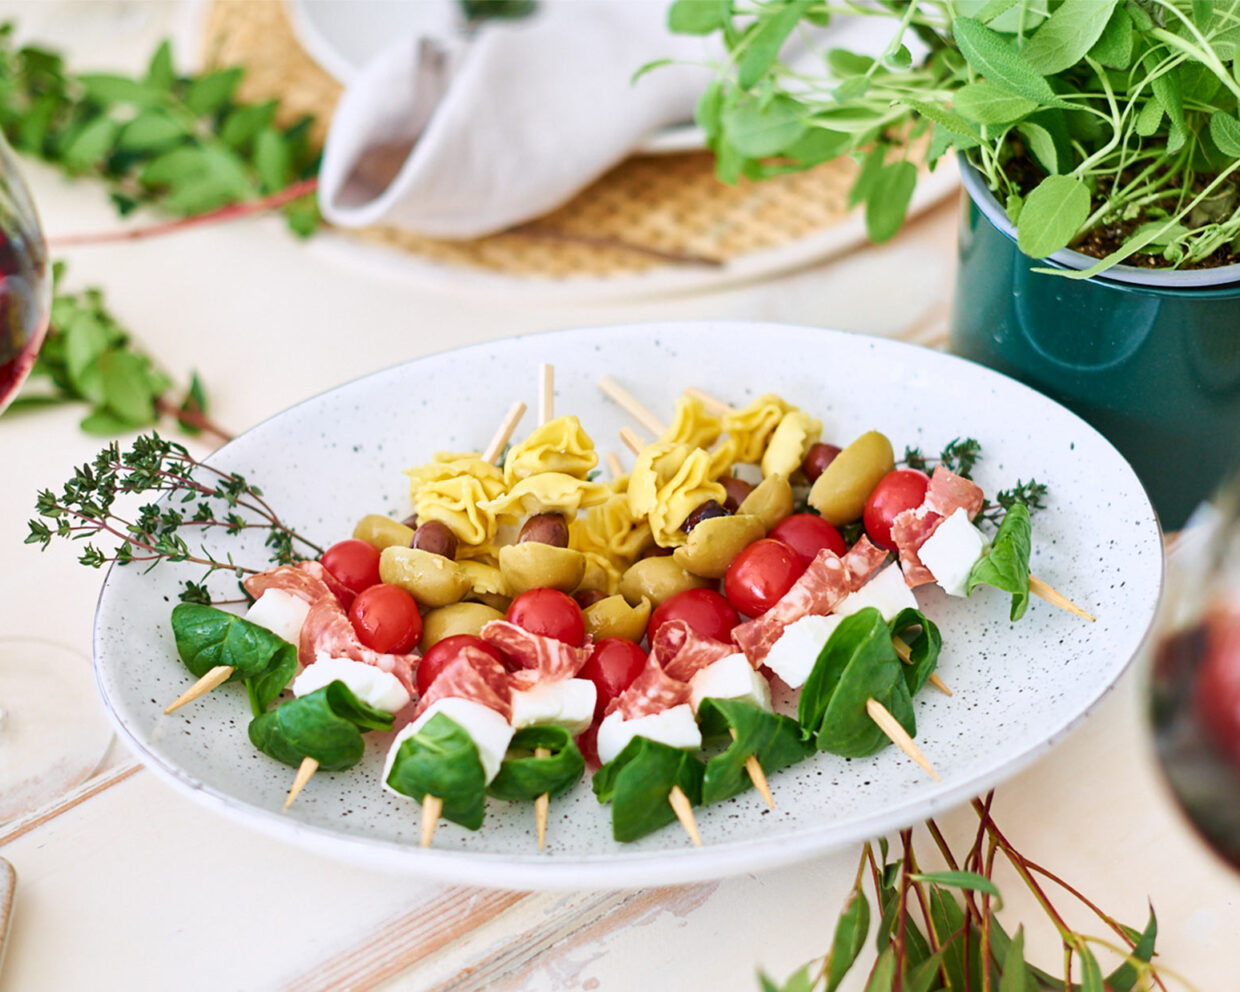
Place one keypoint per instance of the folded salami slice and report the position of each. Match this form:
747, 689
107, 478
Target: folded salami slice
328, 630
653, 691
542, 659
474, 676
307, 580
946, 493
682, 652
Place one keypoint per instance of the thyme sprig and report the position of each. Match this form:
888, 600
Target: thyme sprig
199, 496
961, 456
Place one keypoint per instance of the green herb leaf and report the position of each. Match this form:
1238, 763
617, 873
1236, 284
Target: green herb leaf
207, 637
775, 740
127, 387
1149, 118
1052, 215
924, 648
1124, 978
1091, 974
208, 94
1225, 133
698, 16
943, 117
845, 64
153, 129
1013, 979
523, 776
639, 780
1041, 145
160, 73
987, 103
887, 204
851, 929
105, 88
1006, 565
1063, 39
90, 145
968, 880
757, 130
1114, 47
997, 59
767, 40
442, 760
884, 973
326, 725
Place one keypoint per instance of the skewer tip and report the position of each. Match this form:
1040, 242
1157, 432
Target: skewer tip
305, 770
432, 808
217, 676
542, 805
684, 813
890, 726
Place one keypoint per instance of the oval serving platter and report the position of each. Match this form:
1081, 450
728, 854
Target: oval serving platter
1018, 688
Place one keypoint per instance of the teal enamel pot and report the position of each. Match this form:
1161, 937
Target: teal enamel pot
1151, 358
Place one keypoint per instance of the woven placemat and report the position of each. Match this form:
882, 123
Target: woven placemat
647, 212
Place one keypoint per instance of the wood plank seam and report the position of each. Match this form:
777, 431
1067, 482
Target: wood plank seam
70, 800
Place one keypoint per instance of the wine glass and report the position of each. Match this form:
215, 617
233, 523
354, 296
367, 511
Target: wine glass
52, 730
1195, 676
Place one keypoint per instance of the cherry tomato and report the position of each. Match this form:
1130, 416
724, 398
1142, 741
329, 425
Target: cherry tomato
442, 653
760, 574
807, 534
612, 666
705, 610
551, 613
899, 490
353, 563
386, 619
1216, 693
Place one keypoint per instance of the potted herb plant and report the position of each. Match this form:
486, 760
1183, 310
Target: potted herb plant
1100, 146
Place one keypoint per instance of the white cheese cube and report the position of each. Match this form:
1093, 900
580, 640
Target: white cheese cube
568, 703
887, 591
674, 727
792, 657
730, 678
489, 731
371, 685
952, 550
281, 613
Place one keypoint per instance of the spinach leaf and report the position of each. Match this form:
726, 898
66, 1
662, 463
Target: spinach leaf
864, 634
523, 776
207, 637
326, 725
442, 760
923, 649
639, 780
1006, 566
775, 740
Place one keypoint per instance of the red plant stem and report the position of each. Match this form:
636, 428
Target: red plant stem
906, 841
195, 418
231, 211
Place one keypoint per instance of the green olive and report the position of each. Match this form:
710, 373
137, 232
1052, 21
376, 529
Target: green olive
839, 494
771, 501
431, 579
484, 579
383, 532
613, 617
715, 542
532, 565
457, 618
656, 579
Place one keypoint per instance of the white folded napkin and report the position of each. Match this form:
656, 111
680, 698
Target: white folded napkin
462, 137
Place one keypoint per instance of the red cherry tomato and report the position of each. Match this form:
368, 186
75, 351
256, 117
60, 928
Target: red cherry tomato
899, 490
1216, 693
760, 574
386, 619
705, 610
613, 665
442, 653
353, 563
551, 613
807, 534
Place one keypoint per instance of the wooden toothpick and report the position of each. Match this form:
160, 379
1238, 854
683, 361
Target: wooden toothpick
713, 404
305, 770
506, 428
684, 813
890, 726
1056, 598
432, 809
905, 654
546, 393
632, 440
613, 465
757, 776
215, 677
542, 804
630, 405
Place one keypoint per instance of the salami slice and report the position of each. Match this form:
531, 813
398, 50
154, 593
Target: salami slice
653, 691
307, 580
819, 588
542, 659
862, 561
328, 630
682, 652
946, 494
473, 675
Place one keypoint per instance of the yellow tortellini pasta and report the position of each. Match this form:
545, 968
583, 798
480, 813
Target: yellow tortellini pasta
560, 445
461, 504
723, 456
451, 465
549, 492
601, 573
611, 529
752, 426
655, 467
692, 425
689, 488
789, 443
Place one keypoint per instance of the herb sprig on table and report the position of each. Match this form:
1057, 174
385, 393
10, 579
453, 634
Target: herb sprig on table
92, 503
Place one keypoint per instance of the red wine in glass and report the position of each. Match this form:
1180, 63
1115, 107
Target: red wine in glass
25, 280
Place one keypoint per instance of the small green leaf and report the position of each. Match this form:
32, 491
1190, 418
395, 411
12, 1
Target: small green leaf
127, 388
884, 973
871, 166
151, 130
757, 130
524, 776
1091, 974
90, 145
208, 94
1052, 215
986, 103
1041, 145
845, 64
1149, 118
1006, 565
325, 725
997, 59
708, 110
1063, 39
943, 117
1114, 48
851, 929
767, 40
774, 739
819, 144
85, 343
1225, 132
243, 123
160, 73
1123, 978
1014, 975
104, 88
101, 423
969, 880
442, 760
271, 160
887, 204
698, 16
638, 782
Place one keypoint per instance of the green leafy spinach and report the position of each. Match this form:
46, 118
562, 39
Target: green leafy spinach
524, 776
638, 782
326, 725
1006, 566
442, 760
775, 740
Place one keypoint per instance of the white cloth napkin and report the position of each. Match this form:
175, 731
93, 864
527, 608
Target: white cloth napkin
458, 138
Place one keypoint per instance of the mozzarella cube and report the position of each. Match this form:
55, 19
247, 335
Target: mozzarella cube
792, 657
887, 591
281, 613
489, 731
951, 552
674, 727
371, 685
568, 703
730, 678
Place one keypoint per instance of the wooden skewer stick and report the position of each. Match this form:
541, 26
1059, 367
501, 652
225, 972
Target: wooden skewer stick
712, 403
1056, 598
684, 813
629, 404
905, 654
757, 776
542, 804
546, 393
215, 677
305, 770
632, 440
509, 424
890, 726
432, 809
613, 465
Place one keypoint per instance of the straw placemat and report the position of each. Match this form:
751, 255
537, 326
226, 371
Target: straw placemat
649, 213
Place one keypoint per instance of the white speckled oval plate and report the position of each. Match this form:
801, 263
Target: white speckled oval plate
1018, 688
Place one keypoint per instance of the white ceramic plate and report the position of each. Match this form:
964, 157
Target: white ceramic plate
1018, 688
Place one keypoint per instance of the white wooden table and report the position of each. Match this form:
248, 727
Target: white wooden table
125, 884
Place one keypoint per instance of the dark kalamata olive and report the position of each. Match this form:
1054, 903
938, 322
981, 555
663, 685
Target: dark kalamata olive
588, 597
545, 528
737, 490
704, 512
411, 521
654, 551
435, 537
817, 459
